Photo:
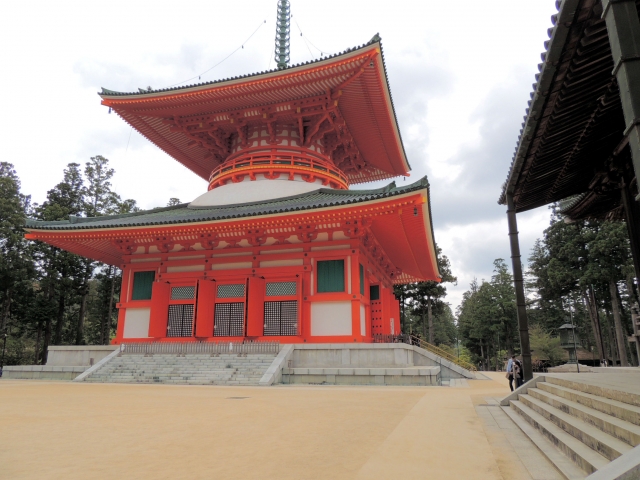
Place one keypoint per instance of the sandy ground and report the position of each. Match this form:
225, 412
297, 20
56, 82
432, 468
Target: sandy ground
92, 431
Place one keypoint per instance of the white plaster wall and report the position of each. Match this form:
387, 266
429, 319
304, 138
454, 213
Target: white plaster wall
253, 191
363, 318
292, 262
329, 247
331, 318
136, 322
142, 260
186, 268
229, 266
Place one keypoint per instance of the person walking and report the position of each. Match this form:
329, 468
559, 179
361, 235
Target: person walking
518, 373
510, 371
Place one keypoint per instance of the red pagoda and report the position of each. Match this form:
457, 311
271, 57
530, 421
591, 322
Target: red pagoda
278, 248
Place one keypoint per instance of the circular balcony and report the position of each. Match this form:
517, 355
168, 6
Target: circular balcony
279, 164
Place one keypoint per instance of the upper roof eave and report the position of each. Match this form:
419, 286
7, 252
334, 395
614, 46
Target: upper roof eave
558, 35
153, 93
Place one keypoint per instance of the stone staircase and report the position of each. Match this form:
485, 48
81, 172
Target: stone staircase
216, 369
589, 424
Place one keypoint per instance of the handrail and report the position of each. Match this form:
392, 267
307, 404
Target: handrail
443, 353
199, 348
278, 162
413, 340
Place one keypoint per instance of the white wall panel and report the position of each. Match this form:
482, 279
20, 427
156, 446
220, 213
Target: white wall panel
136, 322
331, 318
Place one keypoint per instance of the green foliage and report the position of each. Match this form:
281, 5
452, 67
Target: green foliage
569, 263
421, 297
42, 287
487, 317
544, 347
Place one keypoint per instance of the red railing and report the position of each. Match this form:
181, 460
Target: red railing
274, 164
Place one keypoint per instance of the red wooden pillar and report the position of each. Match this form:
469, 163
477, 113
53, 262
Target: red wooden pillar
386, 310
255, 307
355, 297
160, 293
206, 306
124, 297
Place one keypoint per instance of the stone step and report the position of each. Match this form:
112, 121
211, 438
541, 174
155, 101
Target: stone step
567, 468
623, 430
584, 457
610, 393
594, 438
621, 410
173, 369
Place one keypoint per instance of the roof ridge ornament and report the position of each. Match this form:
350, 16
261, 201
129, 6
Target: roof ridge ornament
283, 29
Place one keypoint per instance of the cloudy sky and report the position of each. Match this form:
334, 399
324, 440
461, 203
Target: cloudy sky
460, 74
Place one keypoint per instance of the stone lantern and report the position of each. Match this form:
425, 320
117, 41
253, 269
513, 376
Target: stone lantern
569, 341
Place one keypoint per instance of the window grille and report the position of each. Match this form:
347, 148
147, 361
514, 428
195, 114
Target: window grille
142, 284
330, 276
231, 291
180, 321
281, 318
183, 293
229, 320
281, 289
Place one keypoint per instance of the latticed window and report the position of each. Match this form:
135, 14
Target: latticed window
281, 289
183, 293
229, 320
330, 276
231, 291
281, 318
142, 284
180, 320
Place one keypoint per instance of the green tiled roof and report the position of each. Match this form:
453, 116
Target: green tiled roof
178, 214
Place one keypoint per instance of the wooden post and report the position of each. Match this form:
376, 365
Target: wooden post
523, 323
623, 27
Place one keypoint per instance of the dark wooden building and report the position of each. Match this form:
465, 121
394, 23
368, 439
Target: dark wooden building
580, 139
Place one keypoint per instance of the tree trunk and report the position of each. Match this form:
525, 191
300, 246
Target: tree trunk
57, 339
482, 355
424, 327
611, 340
47, 328
595, 321
432, 334
620, 340
83, 307
37, 352
6, 309
110, 310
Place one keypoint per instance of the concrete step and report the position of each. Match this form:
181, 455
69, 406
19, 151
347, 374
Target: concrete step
594, 438
622, 430
560, 461
173, 369
621, 410
610, 393
584, 457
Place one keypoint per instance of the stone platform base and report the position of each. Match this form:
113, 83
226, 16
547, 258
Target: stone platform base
363, 376
570, 368
42, 372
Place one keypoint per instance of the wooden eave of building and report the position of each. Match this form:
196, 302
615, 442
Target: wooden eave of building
354, 81
392, 223
571, 141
